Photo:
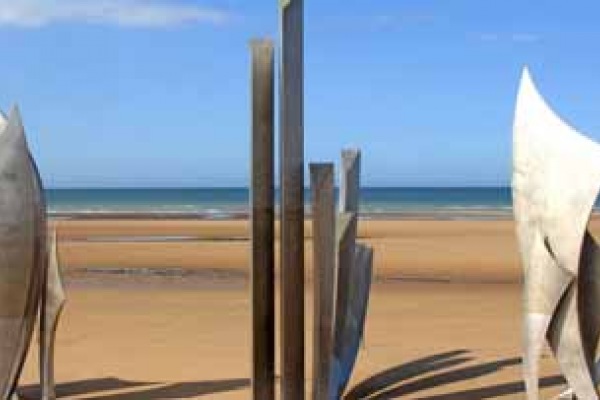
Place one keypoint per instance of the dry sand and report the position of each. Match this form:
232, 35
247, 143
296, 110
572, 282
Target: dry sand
443, 321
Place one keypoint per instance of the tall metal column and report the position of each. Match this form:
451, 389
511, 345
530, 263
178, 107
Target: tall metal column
292, 199
262, 221
324, 255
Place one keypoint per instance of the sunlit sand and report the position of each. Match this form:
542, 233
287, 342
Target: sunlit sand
168, 317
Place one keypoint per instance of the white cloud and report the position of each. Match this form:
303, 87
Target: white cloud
370, 22
129, 13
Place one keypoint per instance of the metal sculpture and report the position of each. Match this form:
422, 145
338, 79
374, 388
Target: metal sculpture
342, 268
324, 244
343, 272
24, 267
556, 180
354, 270
291, 107
53, 301
263, 222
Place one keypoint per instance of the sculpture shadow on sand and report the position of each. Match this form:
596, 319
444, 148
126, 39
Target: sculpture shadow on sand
406, 380
137, 390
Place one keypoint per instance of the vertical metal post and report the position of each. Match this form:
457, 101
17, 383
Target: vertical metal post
346, 255
262, 221
350, 181
323, 216
292, 199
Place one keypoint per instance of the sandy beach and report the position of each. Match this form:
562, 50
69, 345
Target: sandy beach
158, 309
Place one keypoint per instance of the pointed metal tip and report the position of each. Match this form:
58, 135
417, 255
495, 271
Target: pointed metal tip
13, 126
525, 73
15, 119
527, 84
15, 112
530, 103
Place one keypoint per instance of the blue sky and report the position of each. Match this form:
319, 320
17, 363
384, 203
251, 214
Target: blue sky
155, 92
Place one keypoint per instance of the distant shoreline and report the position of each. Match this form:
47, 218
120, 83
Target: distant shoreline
435, 215
233, 203
403, 203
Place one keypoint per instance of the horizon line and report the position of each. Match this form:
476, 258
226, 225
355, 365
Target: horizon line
503, 186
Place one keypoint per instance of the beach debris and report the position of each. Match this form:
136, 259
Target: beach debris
556, 180
24, 286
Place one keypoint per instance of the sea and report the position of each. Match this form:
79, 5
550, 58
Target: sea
226, 203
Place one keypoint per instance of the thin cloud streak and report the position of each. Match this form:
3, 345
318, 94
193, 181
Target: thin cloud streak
126, 13
371, 23
525, 37
515, 37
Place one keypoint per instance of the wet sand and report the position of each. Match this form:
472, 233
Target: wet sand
431, 250
166, 316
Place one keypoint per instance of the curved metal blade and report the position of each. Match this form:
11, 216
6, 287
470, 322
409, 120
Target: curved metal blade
20, 265
556, 179
53, 299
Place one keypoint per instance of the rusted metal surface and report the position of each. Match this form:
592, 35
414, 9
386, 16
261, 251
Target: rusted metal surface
323, 214
22, 241
262, 221
354, 271
292, 200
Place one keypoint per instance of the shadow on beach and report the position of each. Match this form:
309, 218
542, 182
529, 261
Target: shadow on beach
181, 390
404, 380
389, 384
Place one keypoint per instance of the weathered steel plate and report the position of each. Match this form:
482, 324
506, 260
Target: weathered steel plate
556, 180
349, 326
22, 249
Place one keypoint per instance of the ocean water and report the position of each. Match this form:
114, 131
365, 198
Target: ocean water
228, 202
